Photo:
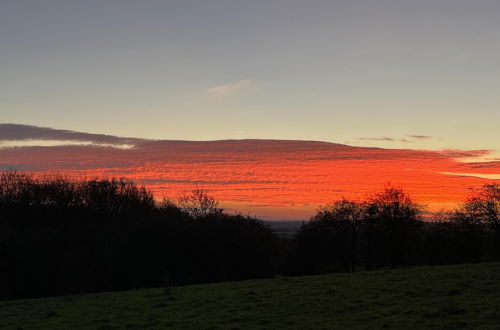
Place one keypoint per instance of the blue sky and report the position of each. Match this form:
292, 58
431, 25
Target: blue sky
336, 71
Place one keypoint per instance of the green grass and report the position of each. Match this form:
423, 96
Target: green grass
450, 297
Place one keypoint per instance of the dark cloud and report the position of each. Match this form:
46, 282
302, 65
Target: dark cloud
16, 132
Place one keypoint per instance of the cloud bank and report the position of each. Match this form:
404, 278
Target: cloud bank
15, 135
273, 178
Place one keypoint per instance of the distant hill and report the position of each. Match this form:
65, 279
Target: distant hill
450, 297
284, 228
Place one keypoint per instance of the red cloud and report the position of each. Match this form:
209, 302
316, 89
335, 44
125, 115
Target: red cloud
280, 179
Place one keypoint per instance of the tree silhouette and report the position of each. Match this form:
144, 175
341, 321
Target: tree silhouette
394, 216
198, 204
380, 231
346, 220
60, 236
485, 204
482, 208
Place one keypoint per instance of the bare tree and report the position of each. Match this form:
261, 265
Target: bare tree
199, 204
483, 207
485, 204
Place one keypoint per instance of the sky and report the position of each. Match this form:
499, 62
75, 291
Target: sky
271, 179
395, 74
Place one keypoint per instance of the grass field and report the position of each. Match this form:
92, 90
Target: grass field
450, 297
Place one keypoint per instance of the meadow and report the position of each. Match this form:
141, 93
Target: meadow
442, 297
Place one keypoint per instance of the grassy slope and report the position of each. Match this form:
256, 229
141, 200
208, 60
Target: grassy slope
465, 296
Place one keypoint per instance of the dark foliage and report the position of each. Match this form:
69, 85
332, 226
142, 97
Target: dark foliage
59, 236
388, 230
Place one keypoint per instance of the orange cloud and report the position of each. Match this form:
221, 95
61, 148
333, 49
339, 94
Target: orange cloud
269, 178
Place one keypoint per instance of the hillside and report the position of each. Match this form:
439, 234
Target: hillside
449, 297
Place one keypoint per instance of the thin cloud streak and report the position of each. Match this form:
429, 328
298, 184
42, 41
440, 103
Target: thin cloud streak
475, 175
384, 139
421, 137
378, 139
229, 88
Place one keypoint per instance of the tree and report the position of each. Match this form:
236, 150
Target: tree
483, 208
393, 217
485, 204
111, 234
199, 204
329, 241
346, 217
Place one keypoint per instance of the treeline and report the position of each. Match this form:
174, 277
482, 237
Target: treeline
61, 236
389, 230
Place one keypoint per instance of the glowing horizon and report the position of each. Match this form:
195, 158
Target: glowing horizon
273, 179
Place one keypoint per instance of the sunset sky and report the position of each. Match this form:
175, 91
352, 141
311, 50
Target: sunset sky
412, 75
317, 70
272, 179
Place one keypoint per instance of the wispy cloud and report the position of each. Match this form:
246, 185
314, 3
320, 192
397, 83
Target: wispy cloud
421, 137
383, 139
475, 175
390, 139
377, 139
229, 88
